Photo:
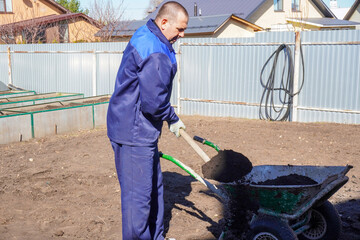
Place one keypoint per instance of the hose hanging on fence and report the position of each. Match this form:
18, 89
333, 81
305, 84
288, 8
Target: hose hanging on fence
269, 109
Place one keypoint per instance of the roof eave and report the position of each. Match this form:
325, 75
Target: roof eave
251, 25
317, 24
59, 6
324, 8
352, 10
16, 26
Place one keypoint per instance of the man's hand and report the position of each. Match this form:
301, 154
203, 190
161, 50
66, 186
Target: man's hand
175, 128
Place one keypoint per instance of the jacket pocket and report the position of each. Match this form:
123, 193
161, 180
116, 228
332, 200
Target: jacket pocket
146, 129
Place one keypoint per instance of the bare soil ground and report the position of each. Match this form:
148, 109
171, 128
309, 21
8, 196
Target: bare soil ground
65, 186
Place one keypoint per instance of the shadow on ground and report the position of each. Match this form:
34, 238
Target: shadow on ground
349, 212
177, 188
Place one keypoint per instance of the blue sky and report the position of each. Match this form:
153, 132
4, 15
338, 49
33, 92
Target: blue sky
135, 9
341, 3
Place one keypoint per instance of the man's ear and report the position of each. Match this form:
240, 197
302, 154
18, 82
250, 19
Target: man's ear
164, 21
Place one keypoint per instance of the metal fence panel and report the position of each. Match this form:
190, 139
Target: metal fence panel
65, 67
226, 71
332, 80
216, 77
4, 65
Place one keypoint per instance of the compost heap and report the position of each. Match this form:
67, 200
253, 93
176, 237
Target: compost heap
229, 167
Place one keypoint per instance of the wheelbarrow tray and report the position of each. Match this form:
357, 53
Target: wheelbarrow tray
291, 201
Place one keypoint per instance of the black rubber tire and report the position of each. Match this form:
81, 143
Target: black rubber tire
270, 228
326, 224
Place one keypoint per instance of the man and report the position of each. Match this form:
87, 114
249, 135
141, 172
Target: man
137, 109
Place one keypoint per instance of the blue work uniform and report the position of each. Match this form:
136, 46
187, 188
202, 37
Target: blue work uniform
139, 105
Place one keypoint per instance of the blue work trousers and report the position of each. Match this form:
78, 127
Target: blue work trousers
142, 194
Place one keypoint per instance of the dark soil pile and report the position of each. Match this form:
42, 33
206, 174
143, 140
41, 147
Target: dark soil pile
292, 179
239, 210
227, 166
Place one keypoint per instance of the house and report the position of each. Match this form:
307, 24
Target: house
242, 18
217, 26
268, 14
220, 26
354, 12
34, 21
326, 23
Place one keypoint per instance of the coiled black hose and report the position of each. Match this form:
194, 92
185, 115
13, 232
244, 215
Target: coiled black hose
284, 92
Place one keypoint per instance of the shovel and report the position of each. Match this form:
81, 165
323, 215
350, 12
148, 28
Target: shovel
193, 144
226, 166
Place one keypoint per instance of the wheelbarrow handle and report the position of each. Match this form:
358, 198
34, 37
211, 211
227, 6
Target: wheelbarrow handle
206, 142
193, 144
199, 139
192, 173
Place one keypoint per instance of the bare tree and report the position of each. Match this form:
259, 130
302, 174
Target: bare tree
110, 16
23, 31
7, 34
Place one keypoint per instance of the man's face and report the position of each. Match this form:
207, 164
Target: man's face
175, 29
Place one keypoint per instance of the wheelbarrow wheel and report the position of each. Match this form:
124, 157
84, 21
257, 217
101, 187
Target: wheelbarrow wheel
270, 228
325, 224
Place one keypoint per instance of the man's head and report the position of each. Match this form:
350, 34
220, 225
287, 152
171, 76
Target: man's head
172, 20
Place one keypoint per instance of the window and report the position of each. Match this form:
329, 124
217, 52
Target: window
295, 5
5, 6
278, 5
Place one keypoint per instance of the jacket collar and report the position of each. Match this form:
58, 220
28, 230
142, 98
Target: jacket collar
157, 32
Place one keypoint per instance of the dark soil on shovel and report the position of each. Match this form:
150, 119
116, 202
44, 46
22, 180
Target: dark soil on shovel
227, 166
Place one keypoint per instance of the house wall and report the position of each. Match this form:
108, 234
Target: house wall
265, 16
233, 29
81, 30
27, 9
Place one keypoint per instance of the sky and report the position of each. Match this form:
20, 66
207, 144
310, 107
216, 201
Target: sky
135, 9
341, 3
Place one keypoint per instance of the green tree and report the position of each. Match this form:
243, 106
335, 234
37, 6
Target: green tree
73, 6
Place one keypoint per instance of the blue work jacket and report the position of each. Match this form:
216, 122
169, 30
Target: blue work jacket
141, 99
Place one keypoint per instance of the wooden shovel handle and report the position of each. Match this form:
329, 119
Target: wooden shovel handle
193, 144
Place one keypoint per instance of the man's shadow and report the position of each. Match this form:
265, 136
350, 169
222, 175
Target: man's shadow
176, 188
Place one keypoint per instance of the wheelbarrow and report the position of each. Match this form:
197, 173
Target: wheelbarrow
286, 212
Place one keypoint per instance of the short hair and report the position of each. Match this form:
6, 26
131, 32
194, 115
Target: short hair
171, 10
